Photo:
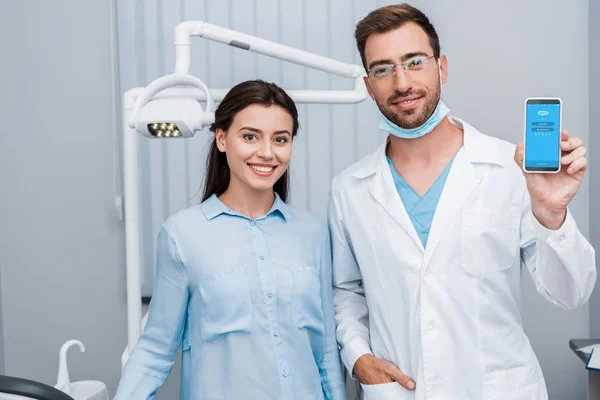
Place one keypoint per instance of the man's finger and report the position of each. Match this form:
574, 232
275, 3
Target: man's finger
571, 144
401, 378
519, 152
574, 155
577, 165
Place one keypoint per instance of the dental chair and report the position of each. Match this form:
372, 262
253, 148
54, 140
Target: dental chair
12, 388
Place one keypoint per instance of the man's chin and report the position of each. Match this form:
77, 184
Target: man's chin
404, 124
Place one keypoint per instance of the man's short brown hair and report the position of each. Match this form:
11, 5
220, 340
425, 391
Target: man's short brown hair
386, 19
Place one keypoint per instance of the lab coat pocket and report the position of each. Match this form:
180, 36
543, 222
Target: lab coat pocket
386, 391
226, 304
490, 240
306, 298
519, 383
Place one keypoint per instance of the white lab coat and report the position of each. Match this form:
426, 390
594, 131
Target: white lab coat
448, 315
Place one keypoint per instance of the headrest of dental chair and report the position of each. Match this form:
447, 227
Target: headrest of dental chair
29, 389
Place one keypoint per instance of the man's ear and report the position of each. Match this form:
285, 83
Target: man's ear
443, 68
368, 86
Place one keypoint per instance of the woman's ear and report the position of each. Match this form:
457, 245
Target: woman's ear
220, 139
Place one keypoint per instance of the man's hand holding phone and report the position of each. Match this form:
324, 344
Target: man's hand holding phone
551, 193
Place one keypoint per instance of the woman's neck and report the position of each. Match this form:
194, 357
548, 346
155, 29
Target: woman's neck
248, 202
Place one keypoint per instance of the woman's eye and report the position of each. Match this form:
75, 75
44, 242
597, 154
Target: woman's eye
249, 137
281, 140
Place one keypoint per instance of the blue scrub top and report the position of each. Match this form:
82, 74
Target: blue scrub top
420, 209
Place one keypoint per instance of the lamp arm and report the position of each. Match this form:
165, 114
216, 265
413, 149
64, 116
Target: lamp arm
185, 30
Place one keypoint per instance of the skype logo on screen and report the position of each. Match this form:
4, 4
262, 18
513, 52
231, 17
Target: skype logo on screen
542, 113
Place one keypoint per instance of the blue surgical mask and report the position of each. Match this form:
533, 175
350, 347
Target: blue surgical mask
434, 120
440, 112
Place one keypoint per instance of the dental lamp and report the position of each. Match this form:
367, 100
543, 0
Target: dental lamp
176, 117
169, 108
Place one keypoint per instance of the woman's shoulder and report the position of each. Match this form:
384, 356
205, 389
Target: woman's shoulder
306, 222
184, 220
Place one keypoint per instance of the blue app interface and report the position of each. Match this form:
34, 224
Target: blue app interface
543, 136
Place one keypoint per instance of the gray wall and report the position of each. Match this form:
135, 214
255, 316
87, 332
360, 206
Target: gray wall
2, 369
61, 247
594, 146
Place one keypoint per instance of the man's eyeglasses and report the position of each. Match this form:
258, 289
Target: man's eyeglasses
384, 71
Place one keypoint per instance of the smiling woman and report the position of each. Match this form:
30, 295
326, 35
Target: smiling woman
243, 276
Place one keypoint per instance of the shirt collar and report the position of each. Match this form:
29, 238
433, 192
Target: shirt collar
213, 207
480, 149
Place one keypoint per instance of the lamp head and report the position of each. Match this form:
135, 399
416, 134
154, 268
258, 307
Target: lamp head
171, 117
176, 117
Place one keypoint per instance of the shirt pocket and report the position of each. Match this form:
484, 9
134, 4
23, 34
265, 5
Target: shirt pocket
226, 304
490, 240
306, 298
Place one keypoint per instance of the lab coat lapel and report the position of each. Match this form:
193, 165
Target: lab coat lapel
460, 184
384, 191
469, 168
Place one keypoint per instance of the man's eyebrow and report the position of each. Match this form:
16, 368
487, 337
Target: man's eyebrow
379, 62
408, 56
405, 57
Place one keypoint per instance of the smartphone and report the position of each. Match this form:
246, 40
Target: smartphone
543, 124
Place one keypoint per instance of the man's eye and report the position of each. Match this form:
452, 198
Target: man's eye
415, 63
382, 70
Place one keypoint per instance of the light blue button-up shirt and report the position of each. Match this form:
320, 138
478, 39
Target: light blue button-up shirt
251, 301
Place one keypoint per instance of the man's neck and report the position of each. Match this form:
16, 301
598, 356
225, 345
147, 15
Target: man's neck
442, 143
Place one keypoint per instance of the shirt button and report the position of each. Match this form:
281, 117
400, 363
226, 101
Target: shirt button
252, 223
276, 333
284, 373
262, 257
426, 274
269, 295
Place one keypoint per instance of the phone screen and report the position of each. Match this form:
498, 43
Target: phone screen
542, 135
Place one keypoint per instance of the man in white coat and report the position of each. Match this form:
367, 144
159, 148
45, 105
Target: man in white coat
429, 232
